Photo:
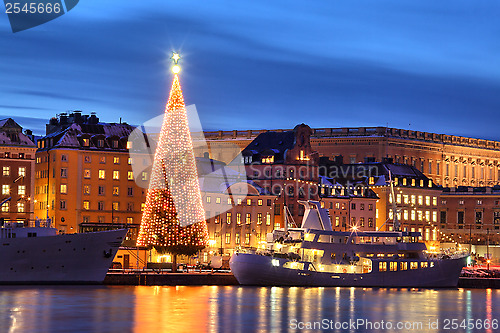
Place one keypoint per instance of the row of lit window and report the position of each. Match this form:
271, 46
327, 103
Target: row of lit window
237, 238
102, 219
20, 207
20, 155
414, 215
403, 266
414, 199
21, 171
248, 218
230, 201
21, 189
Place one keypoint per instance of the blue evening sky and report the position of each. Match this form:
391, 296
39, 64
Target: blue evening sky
263, 64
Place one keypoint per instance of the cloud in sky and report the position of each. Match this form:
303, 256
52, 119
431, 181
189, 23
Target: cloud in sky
264, 64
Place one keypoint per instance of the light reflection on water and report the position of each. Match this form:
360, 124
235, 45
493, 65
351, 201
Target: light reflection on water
231, 309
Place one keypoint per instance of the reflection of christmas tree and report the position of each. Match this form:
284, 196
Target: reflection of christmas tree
173, 219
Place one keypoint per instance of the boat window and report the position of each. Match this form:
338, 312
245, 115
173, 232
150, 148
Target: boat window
413, 265
404, 266
382, 266
423, 264
309, 237
393, 266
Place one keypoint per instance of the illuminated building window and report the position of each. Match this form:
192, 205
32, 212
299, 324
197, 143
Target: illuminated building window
421, 183
249, 202
64, 173
427, 200
302, 156
434, 201
247, 238
371, 180
412, 215
228, 238
130, 220
64, 189
398, 198
479, 202
405, 199
427, 215
5, 189
144, 176
86, 205
116, 159
238, 218
420, 200
404, 266
5, 207
130, 175
248, 218
404, 181
86, 142
413, 199
102, 159
20, 207
393, 266
259, 202
21, 172
142, 206
116, 190
209, 199
217, 200
229, 201
405, 214
259, 218
102, 174
129, 161
362, 222
413, 265
237, 238
85, 219
86, 173
434, 216
115, 206
420, 215
228, 217
116, 175
268, 218
337, 205
370, 207
86, 189
268, 160
129, 144
217, 217
430, 183
370, 222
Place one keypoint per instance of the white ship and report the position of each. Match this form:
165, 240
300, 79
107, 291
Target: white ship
33, 255
314, 255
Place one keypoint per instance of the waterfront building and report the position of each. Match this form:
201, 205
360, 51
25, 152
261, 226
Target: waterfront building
448, 160
83, 176
471, 214
17, 159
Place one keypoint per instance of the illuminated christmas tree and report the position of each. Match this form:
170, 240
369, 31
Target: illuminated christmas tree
173, 220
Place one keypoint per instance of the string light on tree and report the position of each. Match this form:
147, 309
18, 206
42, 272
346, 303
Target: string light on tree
174, 219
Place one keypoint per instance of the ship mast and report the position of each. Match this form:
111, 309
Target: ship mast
394, 207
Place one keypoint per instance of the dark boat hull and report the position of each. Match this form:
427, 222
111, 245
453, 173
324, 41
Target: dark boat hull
253, 269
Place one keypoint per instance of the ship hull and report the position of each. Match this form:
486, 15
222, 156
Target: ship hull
253, 269
82, 258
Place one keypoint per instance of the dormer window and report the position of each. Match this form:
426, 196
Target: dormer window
268, 160
303, 156
100, 143
86, 142
115, 144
